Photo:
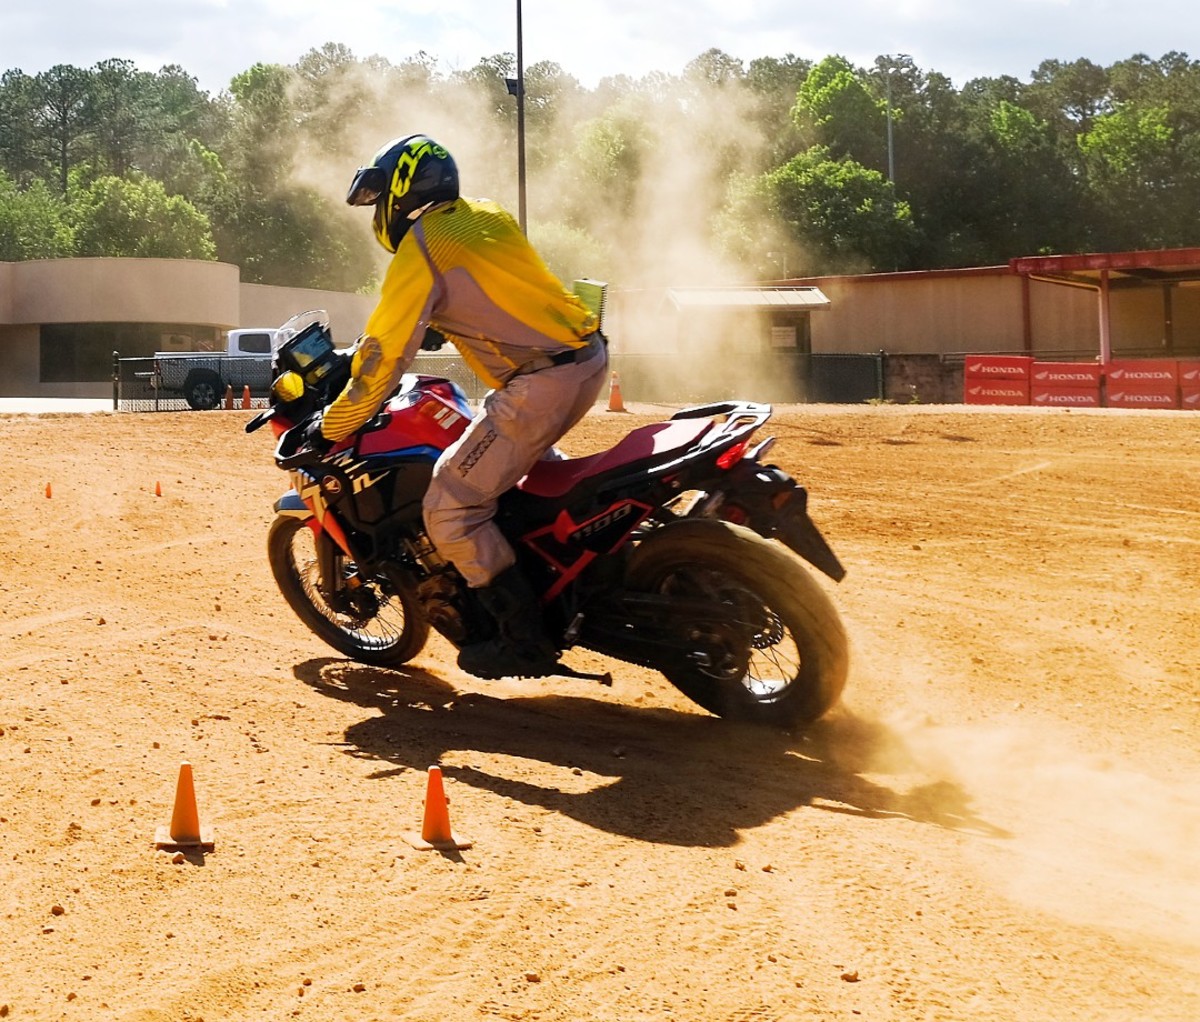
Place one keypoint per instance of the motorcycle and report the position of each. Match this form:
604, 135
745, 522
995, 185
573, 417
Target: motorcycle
660, 551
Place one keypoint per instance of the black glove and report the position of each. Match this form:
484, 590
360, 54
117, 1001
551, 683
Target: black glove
314, 439
434, 340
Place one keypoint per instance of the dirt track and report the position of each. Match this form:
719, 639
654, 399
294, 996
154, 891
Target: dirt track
1001, 823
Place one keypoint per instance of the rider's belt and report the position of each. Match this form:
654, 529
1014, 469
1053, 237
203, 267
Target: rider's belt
596, 343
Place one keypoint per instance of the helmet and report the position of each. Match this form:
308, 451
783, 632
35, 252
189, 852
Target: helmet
404, 177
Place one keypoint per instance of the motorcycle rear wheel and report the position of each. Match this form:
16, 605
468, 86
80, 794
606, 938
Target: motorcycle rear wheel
788, 666
382, 622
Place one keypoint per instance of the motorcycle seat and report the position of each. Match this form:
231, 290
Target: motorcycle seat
646, 443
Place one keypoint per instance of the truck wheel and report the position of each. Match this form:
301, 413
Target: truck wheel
202, 389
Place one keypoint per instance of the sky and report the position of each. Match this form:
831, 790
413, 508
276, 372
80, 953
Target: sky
213, 40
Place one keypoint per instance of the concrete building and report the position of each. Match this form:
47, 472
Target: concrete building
61, 320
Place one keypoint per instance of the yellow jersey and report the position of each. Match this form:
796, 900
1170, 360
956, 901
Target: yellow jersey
465, 269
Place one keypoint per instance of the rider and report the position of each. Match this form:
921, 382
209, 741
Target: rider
463, 267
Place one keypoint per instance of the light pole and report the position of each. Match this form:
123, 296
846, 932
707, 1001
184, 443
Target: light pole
516, 87
887, 87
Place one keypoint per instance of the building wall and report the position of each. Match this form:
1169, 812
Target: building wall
1185, 315
124, 291
903, 313
271, 306
940, 312
1064, 321
1139, 320
6, 292
951, 312
166, 291
19, 363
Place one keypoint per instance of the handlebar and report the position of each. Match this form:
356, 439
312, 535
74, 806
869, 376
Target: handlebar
260, 420
291, 451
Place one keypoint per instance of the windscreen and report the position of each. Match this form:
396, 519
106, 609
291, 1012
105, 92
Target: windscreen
310, 346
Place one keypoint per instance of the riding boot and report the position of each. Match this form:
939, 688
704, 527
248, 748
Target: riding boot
521, 647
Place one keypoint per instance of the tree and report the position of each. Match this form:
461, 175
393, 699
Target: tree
1069, 95
714, 69
570, 252
1079, 157
549, 91
1128, 157
604, 167
775, 83
120, 115
328, 91
136, 217
1026, 199
846, 215
33, 224
297, 239
181, 121
18, 131
835, 109
59, 114
489, 78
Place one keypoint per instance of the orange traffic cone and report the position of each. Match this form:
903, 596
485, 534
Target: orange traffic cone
245, 397
158, 489
185, 830
47, 490
615, 404
228, 396
436, 832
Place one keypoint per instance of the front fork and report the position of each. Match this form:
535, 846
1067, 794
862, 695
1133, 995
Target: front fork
292, 505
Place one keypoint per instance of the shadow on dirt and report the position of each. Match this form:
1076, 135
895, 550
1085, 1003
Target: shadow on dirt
671, 777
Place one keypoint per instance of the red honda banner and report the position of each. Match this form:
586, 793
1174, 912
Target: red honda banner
998, 367
995, 392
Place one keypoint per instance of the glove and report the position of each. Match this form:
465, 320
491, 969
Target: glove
434, 340
314, 439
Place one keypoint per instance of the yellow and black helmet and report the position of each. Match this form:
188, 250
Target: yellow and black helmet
404, 177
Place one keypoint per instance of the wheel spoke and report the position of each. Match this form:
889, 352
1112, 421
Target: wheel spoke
764, 643
382, 629
773, 657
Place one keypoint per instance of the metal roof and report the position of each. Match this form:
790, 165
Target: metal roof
1106, 272
1128, 269
804, 299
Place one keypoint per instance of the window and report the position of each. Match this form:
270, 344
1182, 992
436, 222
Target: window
257, 344
83, 352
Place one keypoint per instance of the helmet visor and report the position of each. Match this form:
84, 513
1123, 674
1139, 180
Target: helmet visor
368, 185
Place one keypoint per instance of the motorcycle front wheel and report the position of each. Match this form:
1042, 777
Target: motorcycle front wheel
780, 657
374, 620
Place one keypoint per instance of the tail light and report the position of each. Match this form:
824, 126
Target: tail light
732, 456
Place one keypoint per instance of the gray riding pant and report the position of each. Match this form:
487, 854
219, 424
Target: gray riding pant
517, 426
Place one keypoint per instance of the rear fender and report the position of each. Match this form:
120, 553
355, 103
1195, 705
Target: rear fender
769, 501
800, 534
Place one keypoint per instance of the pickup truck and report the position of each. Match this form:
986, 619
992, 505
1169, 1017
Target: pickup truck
203, 376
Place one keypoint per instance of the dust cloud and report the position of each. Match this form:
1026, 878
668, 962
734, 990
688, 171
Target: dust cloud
623, 187
1088, 839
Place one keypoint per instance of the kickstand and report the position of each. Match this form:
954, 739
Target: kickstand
569, 672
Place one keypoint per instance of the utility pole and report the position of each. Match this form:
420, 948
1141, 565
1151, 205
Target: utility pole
516, 87
891, 151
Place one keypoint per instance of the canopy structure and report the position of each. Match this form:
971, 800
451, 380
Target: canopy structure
796, 299
1105, 272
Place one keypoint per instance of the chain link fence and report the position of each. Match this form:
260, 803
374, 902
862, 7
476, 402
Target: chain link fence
647, 378
135, 383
